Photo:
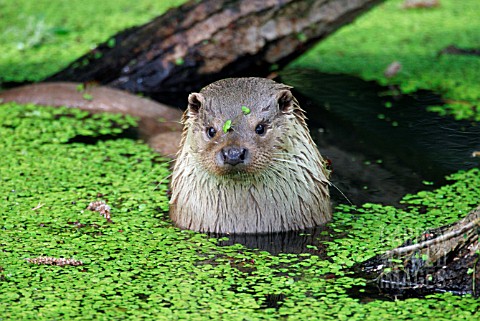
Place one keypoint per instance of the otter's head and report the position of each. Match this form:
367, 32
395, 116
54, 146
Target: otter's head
237, 125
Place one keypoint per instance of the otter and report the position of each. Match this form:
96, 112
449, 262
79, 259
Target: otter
247, 163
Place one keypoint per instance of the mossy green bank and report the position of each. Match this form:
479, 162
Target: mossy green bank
39, 38
56, 161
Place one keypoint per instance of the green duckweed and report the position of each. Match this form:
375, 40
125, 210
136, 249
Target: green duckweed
141, 266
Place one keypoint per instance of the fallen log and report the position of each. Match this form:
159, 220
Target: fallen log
199, 42
441, 260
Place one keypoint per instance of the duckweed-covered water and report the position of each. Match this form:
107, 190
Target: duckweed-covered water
141, 266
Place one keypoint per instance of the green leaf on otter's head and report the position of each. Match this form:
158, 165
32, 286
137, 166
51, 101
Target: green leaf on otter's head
245, 110
227, 125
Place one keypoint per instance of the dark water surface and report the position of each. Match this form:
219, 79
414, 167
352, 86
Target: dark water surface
382, 146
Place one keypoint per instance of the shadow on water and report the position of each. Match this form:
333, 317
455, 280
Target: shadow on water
382, 146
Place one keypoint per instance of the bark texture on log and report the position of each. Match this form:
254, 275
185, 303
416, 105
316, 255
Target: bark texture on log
444, 259
197, 43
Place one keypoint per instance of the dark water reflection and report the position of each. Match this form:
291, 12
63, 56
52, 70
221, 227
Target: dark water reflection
306, 241
382, 146
381, 153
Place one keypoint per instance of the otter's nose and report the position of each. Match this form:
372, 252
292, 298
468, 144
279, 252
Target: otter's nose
234, 155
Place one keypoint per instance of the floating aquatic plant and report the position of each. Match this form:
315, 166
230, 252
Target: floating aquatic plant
227, 125
144, 267
245, 110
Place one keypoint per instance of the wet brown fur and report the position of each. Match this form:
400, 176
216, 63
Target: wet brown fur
284, 184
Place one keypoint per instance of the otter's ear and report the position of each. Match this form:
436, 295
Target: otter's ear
285, 101
195, 102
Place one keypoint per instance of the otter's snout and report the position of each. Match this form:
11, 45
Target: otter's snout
234, 155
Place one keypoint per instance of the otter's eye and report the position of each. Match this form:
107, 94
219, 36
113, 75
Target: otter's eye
260, 129
211, 132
